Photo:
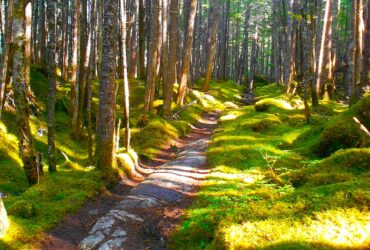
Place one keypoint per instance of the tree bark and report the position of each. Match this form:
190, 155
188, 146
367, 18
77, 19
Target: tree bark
52, 84
212, 39
73, 78
323, 48
171, 78
125, 87
154, 56
6, 53
142, 67
26, 147
187, 48
105, 145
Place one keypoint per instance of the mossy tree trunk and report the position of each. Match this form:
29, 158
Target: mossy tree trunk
105, 145
26, 147
52, 84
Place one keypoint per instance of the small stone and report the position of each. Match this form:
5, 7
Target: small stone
112, 244
93, 212
119, 233
91, 241
102, 224
4, 222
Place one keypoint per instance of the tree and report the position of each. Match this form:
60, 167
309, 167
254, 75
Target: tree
73, 77
171, 52
26, 147
187, 53
212, 45
323, 47
105, 144
52, 84
125, 88
154, 55
5, 54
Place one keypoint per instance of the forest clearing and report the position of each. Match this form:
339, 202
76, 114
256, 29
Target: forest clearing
184, 124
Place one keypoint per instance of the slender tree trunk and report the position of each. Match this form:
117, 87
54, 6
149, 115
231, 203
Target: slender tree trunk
188, 46
83, 64
90, 76
154, 56
105, 145
323, 48
26, 147
42, 34
142, 39
74, 84
254, 61
244, 59
366, 51
6, 53
125, 89
52, 84
172, 48
212, 45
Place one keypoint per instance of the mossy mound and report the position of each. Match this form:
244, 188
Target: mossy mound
343, 132
23, 209
269, 104
265, 124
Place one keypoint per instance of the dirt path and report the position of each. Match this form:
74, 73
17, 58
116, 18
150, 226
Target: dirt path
141, 215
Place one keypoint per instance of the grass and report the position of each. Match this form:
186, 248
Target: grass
32, 210
268, 189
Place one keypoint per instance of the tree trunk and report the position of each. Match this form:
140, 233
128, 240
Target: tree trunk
323, 48
254, 61
154, 56
171, 52
366, 51
5, 55
52, 84
73, 78
125, 89
142, 39
90, 76
105, 145
187, 48
26, 147
212, 39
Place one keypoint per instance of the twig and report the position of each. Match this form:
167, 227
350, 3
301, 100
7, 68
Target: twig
362, 127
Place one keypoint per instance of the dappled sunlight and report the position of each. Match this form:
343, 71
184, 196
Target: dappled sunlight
336, 228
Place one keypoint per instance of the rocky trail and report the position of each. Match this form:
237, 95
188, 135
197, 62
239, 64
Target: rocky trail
141, 215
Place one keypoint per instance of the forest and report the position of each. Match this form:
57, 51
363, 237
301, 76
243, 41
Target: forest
184, 124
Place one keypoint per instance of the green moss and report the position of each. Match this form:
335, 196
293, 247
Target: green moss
23, 209
342, 132
268, 191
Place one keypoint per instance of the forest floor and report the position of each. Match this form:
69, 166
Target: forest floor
142, 215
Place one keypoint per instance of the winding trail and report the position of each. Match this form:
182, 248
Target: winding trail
129, 225
146, 216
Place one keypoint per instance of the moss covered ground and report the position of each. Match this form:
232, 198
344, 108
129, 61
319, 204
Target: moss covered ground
36, 209
277, 182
